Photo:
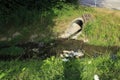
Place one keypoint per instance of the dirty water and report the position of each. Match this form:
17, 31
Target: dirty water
41, 50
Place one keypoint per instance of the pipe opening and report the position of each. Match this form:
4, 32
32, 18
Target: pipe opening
80, 23
74, 29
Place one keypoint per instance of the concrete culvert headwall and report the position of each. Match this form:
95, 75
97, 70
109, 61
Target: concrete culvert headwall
74, 28
79, 22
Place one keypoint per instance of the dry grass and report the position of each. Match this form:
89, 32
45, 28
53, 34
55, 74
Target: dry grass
108, 11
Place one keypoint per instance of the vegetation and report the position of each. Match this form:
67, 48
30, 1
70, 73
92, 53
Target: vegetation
49, 22
105, 67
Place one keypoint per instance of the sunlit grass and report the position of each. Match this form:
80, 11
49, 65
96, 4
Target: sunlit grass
106, 67
103, 30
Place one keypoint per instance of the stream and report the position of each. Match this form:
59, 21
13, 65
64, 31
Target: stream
55, 47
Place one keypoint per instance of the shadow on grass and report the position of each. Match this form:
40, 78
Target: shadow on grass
72, 70
29, 25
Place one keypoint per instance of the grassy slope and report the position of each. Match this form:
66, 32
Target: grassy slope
103, 30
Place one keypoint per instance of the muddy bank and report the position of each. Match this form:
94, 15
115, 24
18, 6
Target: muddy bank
88, 50
43, 50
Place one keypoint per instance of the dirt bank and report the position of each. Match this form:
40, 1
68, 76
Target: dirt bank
55, 48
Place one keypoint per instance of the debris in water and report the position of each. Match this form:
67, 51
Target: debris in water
71, 54
36, 50
65, 60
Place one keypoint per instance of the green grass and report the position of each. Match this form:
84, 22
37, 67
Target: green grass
12, 51
105, 67
104, 30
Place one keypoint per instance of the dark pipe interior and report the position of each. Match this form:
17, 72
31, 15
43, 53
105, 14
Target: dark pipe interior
79, 22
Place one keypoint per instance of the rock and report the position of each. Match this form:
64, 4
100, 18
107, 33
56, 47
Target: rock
87, 17
16, 34
78, 54
41, 44
66, 55
65, 60
61, 55
32, 37
3, 39
71, 54
66, 51
51, 44
36, 50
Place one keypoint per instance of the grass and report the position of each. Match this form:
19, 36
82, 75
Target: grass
105, 67
103, 30
12, 51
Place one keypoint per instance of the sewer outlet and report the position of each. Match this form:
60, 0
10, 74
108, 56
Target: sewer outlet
74, 29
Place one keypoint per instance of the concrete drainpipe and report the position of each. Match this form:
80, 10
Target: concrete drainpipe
74, 29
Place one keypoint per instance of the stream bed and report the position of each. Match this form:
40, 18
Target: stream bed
56, 47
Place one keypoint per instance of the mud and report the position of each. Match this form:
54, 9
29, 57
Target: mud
41, 50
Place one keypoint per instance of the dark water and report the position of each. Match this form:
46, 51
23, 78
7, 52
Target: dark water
55, 47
